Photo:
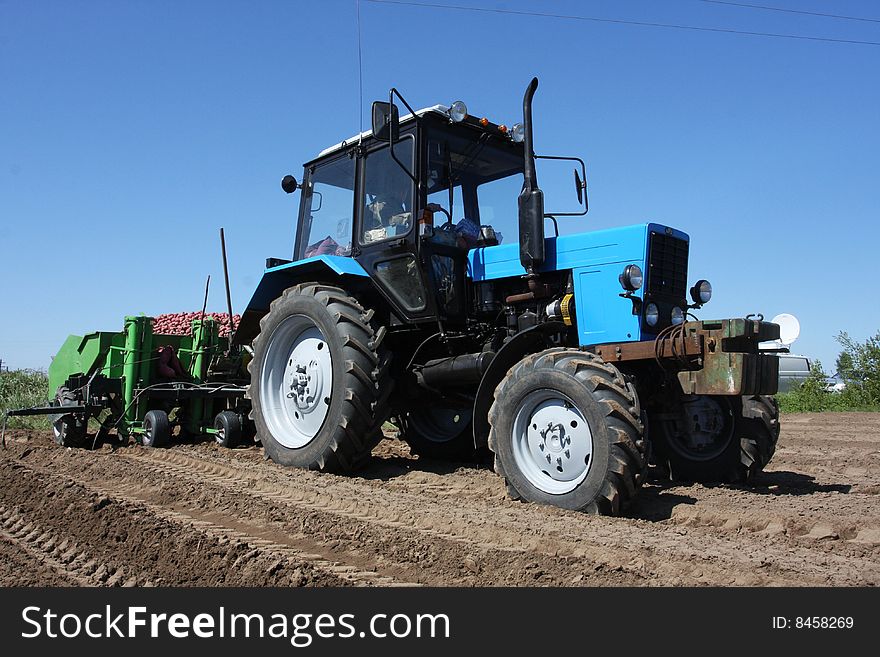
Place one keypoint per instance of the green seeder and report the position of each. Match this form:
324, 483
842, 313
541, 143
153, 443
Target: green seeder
143, 384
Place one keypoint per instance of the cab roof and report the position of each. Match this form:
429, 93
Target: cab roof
436, 109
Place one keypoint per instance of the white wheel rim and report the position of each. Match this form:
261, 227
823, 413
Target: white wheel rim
552, 442
296, 382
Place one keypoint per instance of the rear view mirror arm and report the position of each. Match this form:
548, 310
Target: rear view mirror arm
582, 182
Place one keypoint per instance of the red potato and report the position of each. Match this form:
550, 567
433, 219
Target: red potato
181, 323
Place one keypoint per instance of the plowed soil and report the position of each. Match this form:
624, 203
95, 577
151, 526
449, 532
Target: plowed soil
198, 514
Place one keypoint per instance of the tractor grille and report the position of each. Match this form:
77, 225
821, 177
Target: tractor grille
667, 268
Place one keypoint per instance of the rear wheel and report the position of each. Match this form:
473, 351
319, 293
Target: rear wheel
157, 429
319, 380
440, 431
71, 430
716, 438
228, 426
565, 431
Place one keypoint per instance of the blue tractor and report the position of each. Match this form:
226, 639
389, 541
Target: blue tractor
570, 358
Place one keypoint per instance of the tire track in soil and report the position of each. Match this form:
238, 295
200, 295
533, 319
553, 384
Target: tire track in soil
125, 541
20, 568
824, 524
735, 523
812, 519
483, 563
831, 445
65, 558
230, 529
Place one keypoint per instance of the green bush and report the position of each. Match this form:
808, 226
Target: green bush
20, 389
858, 365
811, 396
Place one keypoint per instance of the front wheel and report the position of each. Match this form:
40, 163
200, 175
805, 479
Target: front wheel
715, 438
565, 431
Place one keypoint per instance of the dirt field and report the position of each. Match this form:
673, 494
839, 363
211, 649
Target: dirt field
197, 514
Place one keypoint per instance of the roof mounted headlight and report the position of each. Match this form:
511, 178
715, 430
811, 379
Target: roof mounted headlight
457, 111
701, 292
518, 132
631, 278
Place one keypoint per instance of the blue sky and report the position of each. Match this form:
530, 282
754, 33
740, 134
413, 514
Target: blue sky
131, 131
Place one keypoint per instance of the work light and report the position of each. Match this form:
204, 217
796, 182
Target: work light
518, 132
701, 292
457, 112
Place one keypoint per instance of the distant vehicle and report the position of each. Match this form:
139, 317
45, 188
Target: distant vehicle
834, 383
793, 371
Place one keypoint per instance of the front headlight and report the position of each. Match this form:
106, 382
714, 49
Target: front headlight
701, 292
631, 278
652, 314
677, 315
457, 111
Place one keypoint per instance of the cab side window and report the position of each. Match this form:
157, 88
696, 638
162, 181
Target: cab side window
330, 202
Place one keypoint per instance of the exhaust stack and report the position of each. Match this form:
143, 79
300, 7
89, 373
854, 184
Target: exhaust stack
531, 198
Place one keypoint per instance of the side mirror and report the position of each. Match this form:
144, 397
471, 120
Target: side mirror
289, 184
579, 187
386, 122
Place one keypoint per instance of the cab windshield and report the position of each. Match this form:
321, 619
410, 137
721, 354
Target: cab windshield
485, 174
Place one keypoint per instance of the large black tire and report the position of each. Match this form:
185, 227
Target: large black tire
71, 430
737, 440
357, 400
589, 388
760, 433
157, 429
440, 431
228, 425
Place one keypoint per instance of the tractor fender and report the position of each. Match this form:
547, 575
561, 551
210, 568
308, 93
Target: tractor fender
322, 268
530, 341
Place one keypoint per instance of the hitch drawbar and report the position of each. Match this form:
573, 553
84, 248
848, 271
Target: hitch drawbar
714, 357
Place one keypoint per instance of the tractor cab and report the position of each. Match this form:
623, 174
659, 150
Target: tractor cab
408, 209
401, 212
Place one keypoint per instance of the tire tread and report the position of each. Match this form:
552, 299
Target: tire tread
366, 387
619, 402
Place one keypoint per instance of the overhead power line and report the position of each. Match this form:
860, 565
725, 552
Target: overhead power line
617, 21
791, 11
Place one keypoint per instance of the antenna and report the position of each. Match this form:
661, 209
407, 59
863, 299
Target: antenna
360, 77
